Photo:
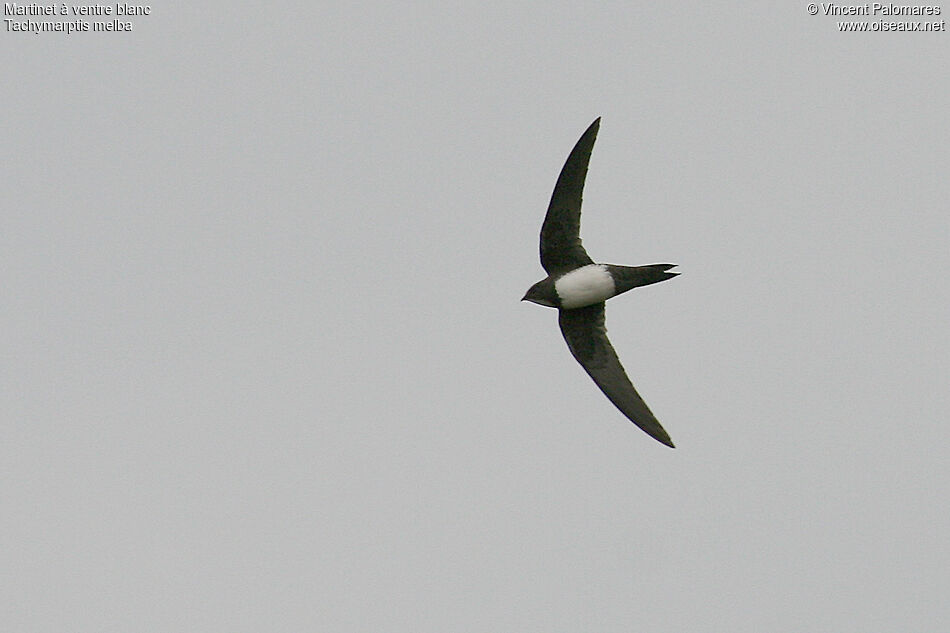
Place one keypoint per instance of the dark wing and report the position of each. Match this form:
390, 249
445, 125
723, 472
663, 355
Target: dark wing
561, 249
586, 336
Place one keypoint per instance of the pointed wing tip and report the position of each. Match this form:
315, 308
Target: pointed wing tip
655, 431
589, 135
660, 435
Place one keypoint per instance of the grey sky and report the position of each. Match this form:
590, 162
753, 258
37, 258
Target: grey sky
265, 367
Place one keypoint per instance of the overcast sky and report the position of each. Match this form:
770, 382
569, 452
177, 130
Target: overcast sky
265, 367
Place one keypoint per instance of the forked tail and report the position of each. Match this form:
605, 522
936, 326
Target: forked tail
627, 277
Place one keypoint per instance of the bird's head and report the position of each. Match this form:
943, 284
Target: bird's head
542, 293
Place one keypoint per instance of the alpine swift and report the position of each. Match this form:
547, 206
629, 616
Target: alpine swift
578, 288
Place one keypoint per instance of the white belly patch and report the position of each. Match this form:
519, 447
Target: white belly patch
585, 286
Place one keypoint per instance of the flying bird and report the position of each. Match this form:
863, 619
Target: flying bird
578, 288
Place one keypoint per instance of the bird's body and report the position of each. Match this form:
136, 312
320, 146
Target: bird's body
583, 286
578, 288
